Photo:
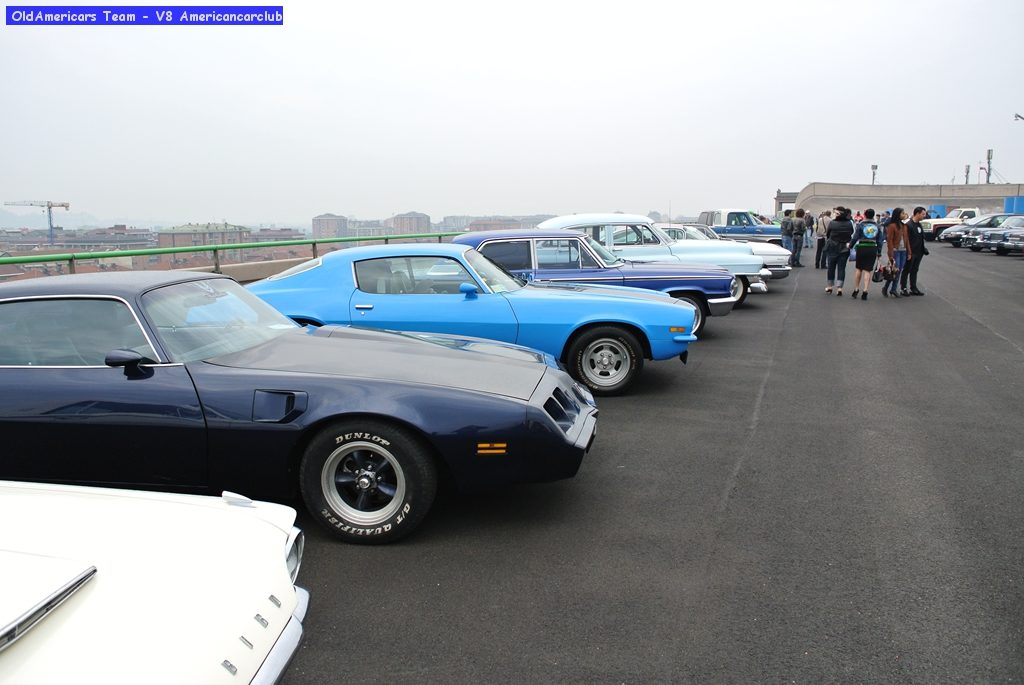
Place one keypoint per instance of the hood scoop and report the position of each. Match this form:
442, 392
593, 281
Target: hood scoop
37, 585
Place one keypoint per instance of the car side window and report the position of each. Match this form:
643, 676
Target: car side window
67, 332
411, 275
739, 219
716, 219
558, 254
513, 255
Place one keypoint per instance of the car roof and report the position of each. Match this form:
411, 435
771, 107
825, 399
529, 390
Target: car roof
571, 220
396, 250
124, 284
477, 237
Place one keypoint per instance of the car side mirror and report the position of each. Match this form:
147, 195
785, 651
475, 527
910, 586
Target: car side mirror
469, 290
124, 358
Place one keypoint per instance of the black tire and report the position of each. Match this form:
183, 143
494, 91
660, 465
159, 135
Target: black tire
700, 318
367, 481
1000, 251
306, 322
975, 248
744, 289
606, 359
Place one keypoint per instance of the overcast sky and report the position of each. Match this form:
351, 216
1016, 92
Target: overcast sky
376, 108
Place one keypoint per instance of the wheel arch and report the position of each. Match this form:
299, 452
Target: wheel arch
699, 295
312, 430
632, 328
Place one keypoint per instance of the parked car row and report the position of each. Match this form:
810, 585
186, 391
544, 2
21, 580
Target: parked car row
987, 232
357, 381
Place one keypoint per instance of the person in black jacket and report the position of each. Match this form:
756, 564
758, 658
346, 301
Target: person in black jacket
837, 249
917, 249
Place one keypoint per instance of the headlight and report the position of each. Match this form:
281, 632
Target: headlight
293, 552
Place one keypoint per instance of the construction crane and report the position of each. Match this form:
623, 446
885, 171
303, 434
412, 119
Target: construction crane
42, 203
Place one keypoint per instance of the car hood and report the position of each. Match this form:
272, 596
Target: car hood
216, 565
433, 359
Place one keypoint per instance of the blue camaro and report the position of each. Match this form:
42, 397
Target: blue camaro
563, 256
602, 334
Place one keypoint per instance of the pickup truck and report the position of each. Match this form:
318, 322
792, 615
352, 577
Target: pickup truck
740, 223
932, 228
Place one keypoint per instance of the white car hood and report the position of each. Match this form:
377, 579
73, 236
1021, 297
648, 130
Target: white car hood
137, 621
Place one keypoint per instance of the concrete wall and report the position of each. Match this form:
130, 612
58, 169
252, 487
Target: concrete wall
987, 196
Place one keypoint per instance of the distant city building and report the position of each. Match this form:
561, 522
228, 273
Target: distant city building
330, 226
410, 222
455, 223
495, 223
534, 220
194, 235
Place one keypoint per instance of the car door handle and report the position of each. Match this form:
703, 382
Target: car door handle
363, 307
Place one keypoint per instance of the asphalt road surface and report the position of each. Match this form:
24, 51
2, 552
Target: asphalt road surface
830, 491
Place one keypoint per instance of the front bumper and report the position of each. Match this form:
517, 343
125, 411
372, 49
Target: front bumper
1011, 246
720, 306
758, 287
780, 272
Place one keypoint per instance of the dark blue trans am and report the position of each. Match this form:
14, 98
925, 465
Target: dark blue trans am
188, 382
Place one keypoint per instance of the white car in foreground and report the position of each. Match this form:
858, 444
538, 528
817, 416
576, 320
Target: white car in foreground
121, 586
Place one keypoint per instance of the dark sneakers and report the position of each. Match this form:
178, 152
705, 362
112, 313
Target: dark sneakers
917, 292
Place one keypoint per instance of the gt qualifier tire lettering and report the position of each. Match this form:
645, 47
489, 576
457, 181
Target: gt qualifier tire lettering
367, 480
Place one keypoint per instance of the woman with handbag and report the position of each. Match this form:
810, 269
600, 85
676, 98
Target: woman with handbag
898, 244
837, 249
867, 240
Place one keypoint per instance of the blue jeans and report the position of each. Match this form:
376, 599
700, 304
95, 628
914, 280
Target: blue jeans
899, 258
837, 268
798, 247
808, 237
787, 242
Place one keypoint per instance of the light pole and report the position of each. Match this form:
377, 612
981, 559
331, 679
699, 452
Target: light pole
874, 171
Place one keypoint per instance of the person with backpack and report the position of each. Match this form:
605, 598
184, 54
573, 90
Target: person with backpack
898, 246
799, 228
837, 249
867, 240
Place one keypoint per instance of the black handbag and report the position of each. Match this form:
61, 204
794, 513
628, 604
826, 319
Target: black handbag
877, 276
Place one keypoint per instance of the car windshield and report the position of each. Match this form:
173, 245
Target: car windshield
602, 252
980, 219
1012, 222
209, 318
953, 214
496, 278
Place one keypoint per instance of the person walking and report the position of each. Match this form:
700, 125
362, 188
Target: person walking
786, 230
799, 229
837, 249
808, 231
898, 246
820, 227
867, 240
918, 249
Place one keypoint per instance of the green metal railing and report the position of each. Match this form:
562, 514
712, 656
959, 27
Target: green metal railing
72, 257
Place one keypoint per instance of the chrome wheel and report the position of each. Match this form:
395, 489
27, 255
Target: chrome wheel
605, 362
363, 482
